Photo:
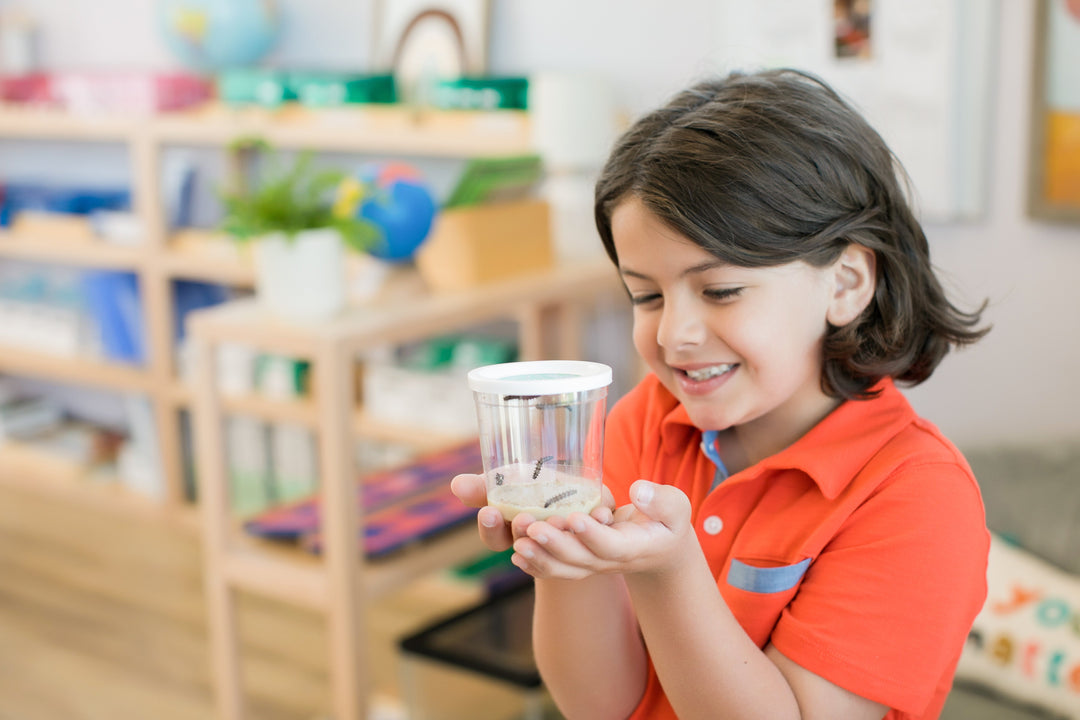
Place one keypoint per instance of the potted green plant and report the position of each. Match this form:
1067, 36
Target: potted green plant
300, 230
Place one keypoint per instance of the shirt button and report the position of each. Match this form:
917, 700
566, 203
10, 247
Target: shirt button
713, 525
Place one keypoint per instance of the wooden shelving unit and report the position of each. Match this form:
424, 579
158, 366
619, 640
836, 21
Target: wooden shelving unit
545, 306
192, 254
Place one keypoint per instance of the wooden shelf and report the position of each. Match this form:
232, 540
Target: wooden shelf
420, 312
375, 429
299, 577
26, 468
84, 253
208, 256
366, 129
73, 369
384, 576
17, 121
272, 569
302, 411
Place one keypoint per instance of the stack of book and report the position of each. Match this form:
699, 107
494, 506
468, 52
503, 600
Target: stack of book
23, 416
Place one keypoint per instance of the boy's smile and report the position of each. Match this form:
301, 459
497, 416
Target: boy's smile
701, 379
740, 347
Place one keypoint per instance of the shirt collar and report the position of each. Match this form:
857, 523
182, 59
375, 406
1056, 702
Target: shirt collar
832, 452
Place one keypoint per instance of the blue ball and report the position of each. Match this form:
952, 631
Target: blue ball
219, 34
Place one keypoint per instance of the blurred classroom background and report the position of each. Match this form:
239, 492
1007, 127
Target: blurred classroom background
118, 129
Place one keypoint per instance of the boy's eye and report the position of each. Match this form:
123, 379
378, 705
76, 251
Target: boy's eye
723, 293
643, 298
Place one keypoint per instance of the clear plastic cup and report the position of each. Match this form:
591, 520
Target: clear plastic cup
542, 435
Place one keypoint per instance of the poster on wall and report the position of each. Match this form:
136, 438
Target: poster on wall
1054, 186
919, 70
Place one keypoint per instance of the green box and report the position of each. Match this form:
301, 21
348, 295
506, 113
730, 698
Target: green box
269, 88
333, 89
482, 93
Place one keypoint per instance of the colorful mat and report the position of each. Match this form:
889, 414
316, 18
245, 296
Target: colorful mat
399, 506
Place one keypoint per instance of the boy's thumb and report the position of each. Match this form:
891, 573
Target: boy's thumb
663, 503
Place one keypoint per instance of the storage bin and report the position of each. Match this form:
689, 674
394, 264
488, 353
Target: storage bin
473, 245
477, 663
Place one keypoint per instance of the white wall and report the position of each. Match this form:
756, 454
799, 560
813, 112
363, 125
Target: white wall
1021, 383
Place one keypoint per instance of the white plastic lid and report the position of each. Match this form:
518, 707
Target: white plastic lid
540, 377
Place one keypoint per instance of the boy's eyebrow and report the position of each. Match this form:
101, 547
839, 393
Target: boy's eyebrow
699, 268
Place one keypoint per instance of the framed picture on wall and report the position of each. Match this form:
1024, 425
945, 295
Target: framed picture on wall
422, 41
1054, 183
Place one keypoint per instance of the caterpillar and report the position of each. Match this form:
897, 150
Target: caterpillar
541, 461
560, 497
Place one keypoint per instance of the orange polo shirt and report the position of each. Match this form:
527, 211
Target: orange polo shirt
859, 551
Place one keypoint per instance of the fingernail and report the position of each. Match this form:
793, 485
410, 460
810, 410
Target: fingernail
644, 494
488, 520
541, 538
577, 525
525, 552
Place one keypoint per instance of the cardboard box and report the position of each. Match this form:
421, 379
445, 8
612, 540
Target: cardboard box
470, 246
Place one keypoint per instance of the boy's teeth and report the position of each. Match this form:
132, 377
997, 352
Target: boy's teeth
709, 372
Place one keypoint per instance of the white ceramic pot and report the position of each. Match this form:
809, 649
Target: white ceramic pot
301, 278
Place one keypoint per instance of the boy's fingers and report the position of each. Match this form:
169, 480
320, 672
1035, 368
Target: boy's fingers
597, 535
494, 531
564, 547
606, 498
663, 503
603, 515
470, 489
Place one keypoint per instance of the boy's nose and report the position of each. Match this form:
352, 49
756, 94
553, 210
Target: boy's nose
681, 325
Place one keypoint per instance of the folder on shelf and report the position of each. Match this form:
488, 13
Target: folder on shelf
399, 506
112, 298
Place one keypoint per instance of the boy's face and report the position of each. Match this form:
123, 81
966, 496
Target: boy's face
739, 347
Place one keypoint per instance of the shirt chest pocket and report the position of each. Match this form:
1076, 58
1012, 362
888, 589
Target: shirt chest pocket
758, 591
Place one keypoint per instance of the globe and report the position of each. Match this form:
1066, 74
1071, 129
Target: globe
219, 34
394, 197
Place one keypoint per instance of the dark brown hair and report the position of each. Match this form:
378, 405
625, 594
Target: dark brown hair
772, 167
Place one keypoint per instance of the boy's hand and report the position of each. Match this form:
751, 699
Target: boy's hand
645, 536
494, 530
496, 533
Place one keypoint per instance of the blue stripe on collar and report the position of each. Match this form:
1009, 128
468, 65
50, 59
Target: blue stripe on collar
708, 446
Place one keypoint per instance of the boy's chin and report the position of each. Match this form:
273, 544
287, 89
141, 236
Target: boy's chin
707, 418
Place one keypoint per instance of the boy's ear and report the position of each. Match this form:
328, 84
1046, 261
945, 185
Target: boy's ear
854, 282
